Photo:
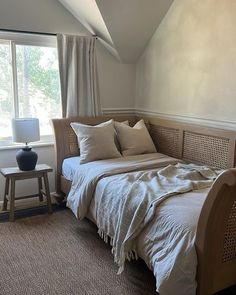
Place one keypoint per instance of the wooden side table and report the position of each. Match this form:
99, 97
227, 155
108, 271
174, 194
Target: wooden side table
12, 174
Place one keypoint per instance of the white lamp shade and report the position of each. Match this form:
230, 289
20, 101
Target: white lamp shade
25, 130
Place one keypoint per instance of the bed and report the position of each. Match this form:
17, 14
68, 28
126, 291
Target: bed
215, 241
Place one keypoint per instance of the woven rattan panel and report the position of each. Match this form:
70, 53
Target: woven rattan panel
205, 149
166, 140
72, 142
229, 252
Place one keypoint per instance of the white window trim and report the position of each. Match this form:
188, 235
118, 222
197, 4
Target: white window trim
33, 145
6, 143
30, 40
14, 79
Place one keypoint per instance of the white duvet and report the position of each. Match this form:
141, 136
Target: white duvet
138, 211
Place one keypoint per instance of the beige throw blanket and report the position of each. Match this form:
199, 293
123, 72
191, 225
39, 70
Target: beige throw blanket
129, 202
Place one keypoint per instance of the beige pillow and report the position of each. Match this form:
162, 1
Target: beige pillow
96, 142
116, 137
136, 140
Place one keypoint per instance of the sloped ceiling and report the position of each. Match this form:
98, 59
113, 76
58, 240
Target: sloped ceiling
123, 26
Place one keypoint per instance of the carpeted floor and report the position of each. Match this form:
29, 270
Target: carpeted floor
56, 254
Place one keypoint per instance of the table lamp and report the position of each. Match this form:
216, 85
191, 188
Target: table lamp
26, 130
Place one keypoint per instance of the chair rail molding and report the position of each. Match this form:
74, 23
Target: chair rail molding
228, 125
118, 111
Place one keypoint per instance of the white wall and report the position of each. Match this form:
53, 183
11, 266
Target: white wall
189, 66
117, 81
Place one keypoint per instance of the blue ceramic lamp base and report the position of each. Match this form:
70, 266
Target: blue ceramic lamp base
26, 159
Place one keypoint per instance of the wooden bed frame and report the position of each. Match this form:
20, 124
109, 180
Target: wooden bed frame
216, 231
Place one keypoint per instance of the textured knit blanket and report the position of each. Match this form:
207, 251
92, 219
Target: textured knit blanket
132, 199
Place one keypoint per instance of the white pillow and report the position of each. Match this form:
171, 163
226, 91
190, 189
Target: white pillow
96, 142
136, 140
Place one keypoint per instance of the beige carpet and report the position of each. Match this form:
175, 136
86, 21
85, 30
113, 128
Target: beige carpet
56, 254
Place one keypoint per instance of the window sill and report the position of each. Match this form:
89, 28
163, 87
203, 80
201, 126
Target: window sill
33, 145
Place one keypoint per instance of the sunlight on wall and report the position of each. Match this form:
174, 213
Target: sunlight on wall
189, 65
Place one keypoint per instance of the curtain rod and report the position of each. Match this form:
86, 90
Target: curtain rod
32, 32
27, 32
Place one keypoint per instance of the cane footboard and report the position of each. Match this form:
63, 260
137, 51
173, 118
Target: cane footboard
216, 236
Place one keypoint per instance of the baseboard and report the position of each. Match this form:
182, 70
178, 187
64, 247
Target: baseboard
30, 207
28, 212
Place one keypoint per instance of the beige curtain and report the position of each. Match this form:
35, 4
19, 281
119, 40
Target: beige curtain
78, 75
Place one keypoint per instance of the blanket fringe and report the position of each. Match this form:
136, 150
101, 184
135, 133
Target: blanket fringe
130, 255
103, 235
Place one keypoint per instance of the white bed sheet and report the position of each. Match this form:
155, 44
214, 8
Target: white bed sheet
69, 167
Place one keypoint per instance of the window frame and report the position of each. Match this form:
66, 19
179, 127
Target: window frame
26, 39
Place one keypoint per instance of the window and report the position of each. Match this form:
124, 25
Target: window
29, 81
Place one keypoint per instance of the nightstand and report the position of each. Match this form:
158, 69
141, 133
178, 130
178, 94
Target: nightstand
13, 173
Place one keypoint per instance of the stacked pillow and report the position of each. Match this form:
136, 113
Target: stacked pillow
111, 139
96, 142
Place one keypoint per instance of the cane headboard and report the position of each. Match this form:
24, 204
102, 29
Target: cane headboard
193, 143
